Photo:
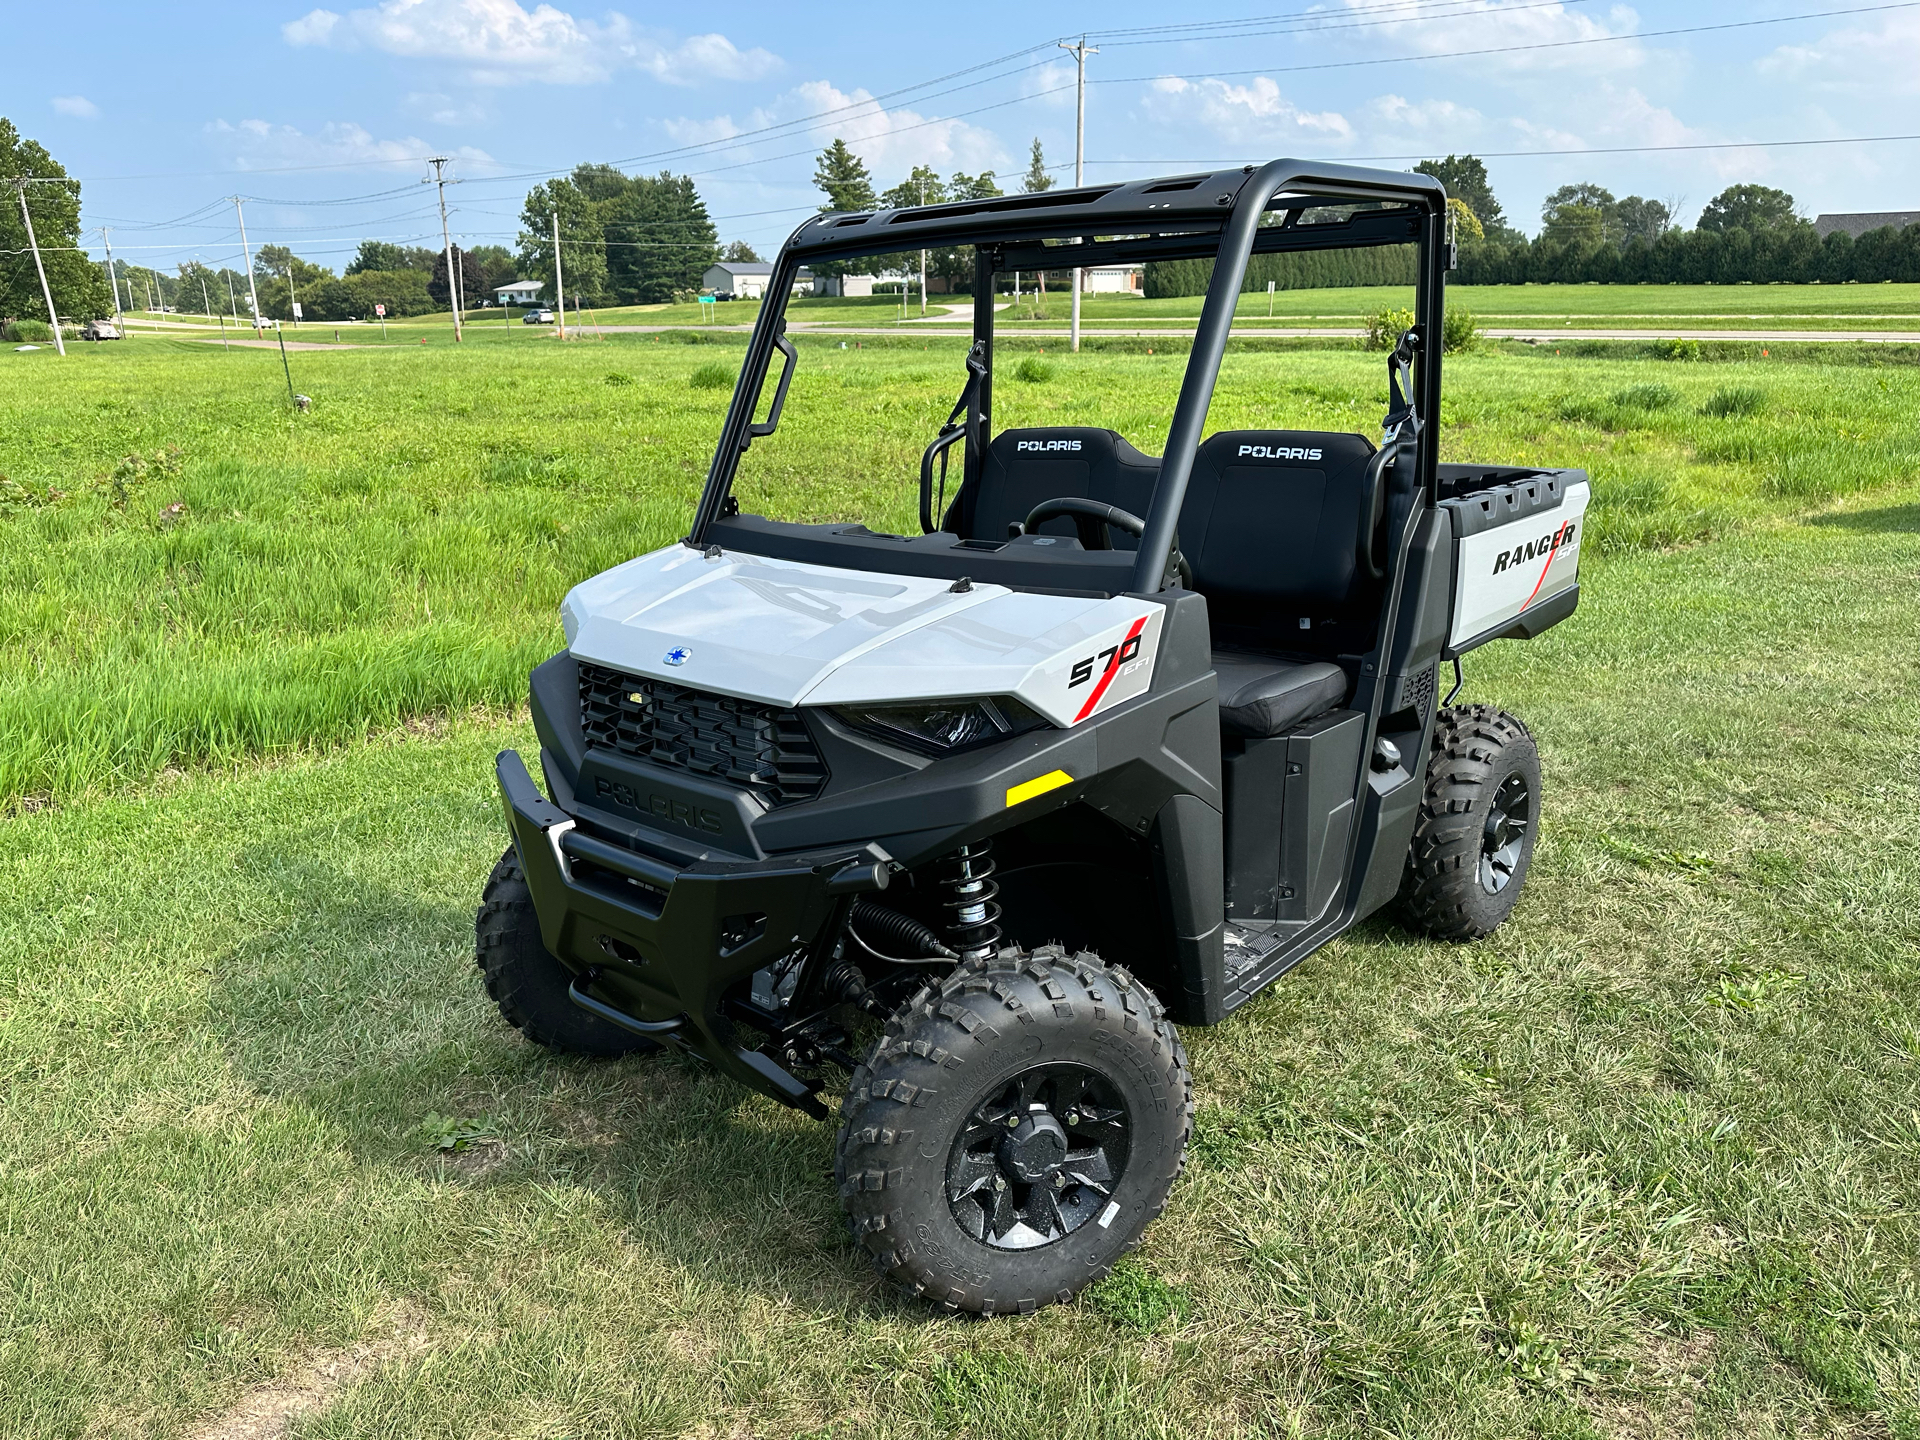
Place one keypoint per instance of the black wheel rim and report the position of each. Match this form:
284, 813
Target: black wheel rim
1040, 1157
1505, 833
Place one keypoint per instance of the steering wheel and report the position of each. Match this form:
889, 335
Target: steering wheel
1092, 518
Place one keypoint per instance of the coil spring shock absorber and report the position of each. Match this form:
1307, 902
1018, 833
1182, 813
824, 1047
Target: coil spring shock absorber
974, 930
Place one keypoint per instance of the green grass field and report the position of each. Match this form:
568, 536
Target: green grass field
1643, 1163
400, 551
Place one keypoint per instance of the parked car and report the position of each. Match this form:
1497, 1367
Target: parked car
537, 317
100, 330
723, 295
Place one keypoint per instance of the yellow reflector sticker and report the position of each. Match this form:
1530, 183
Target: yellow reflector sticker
1053, 780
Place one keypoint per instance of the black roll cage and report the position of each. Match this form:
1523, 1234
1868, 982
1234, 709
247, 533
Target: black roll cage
1215, 216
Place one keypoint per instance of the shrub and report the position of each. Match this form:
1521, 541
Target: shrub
1033, 371
614, 377
22, 331
1735, 400
1676, 349
1647, 397
1457, 331
712, 377
1385, 327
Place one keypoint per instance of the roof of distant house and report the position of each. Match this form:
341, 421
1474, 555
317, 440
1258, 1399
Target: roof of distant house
744, 267
1860, 224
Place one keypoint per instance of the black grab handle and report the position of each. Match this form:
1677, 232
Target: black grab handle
772, 422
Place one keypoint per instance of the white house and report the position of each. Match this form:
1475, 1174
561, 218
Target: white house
520, 292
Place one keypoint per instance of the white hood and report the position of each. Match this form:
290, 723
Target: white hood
786, 633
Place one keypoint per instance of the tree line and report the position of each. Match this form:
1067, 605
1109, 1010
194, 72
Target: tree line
1747, 234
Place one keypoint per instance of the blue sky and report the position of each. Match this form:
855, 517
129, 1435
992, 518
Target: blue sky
323, 115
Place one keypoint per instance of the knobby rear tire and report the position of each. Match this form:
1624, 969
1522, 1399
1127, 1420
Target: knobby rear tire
1476, 750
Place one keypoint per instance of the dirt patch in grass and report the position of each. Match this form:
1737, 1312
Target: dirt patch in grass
269, 1410
1674, 1370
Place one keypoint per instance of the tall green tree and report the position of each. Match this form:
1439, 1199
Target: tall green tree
284, 277
1577, 215
1752, 208
843, 176
199, 289
583, 250
1638, 218
79, 285
473, 278
659, 239
377, 255
741, 253
1465, 177
1037, 178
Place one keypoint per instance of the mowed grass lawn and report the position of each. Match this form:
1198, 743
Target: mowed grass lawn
1645, 1162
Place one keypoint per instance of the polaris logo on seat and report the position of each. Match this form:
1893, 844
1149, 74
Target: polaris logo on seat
1047, 445
1280, 452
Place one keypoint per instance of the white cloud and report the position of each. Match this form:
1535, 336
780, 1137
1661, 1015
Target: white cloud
316, 27
1493, 26
77, 106
892, 142
444, 109
504, 43
1396, 113
1871, 63
1250, 114
262, 145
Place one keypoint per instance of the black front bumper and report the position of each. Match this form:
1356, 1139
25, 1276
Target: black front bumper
660, 944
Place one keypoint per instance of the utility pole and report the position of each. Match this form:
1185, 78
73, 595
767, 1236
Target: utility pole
119, 319
253, 291
559, 289
1080, 53
439, 163
204, 301
45, 289
293, 301
923, 257
460, 283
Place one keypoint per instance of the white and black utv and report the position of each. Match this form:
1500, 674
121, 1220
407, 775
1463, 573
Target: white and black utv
1115, 742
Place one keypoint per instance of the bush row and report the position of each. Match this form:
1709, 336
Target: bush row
1788, 253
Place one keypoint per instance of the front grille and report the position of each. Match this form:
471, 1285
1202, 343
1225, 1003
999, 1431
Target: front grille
740, 742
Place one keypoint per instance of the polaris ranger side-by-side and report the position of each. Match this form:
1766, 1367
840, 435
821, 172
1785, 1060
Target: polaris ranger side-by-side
1113, 743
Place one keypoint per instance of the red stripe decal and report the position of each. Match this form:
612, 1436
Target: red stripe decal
1553, 551
1113, 669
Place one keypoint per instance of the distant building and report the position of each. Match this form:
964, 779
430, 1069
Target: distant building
1112, 280
844, 286
520, 292
747, 279
1858, 225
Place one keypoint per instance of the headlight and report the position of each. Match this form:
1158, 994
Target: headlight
943, 727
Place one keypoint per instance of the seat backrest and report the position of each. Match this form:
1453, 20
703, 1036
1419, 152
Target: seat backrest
1025, 467
1271, 525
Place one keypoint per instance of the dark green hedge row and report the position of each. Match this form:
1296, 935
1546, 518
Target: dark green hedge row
1791, 253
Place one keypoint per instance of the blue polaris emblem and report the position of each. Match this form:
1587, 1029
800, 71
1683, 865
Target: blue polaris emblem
678, 655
